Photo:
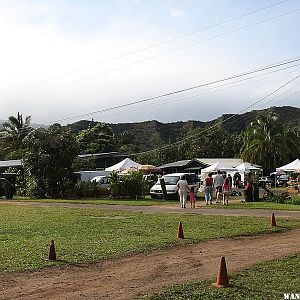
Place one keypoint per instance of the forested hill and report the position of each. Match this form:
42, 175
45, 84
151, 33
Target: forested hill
150, 134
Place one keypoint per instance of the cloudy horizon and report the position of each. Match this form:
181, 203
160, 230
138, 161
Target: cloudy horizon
62, 59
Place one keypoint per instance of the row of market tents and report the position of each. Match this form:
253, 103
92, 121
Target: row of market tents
128, 164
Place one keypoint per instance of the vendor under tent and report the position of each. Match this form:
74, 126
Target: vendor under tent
123, 165
291, 167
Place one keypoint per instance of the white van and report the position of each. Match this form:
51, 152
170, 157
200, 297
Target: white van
171, 185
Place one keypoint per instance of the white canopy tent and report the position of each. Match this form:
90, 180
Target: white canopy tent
123, 165
247, 167
291, 167
218, 166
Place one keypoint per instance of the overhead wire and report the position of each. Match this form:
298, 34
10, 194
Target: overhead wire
180, 91
285, 65
218, 123
168, 52
205, 92
130, 53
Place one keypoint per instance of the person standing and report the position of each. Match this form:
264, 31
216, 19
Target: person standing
226, 191
193, 197
230, 179
218, 183
183, 189
208, 188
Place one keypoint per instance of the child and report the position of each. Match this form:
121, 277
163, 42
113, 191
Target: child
226, 191
193, 197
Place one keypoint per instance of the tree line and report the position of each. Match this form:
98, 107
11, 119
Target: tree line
50, 155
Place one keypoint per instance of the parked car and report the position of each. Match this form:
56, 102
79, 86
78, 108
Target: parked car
103, 182
266, 180
282, 180
171, 185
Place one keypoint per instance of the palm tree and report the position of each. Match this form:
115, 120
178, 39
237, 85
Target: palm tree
16, 129
265, 142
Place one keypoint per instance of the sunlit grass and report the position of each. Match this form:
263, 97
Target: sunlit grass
83, 235
270, 280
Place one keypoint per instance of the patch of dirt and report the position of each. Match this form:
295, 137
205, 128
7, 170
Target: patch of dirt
132, 276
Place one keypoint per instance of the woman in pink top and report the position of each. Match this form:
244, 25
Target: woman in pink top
226, 191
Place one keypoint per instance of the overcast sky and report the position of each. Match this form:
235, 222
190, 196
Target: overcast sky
64, 58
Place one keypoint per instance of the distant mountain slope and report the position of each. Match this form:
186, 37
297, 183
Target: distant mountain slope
150, 134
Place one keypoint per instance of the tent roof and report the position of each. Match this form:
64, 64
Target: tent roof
123, 165
247, 167
291, 167
216, 167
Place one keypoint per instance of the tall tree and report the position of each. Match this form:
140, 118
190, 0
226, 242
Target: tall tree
16, 129
99, 138
266, 142
48, 162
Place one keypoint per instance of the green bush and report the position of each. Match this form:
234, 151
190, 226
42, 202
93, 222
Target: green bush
132, 185
87, 190
283, 199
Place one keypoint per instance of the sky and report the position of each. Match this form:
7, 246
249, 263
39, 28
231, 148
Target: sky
63, 60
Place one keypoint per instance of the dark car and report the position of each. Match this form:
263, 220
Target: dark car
282, 180
266, 180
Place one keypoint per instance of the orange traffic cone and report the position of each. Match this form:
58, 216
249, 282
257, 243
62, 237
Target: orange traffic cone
180, 231
222, 278
52, 253
273, 220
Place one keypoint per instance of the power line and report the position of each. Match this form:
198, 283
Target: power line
130, 53
168, 52
179, 91
220, 122
206, 91
284, 63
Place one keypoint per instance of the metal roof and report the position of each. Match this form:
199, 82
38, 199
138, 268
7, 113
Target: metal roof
104, 155
11, 163
179, 163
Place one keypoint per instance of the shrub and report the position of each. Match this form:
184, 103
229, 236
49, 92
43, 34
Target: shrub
132, 185
284, 198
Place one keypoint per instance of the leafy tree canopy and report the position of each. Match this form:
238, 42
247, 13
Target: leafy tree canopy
48, 162
96, 139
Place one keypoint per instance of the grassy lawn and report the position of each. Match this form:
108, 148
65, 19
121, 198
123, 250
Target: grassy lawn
83, 235
145, 202
263, 281
258, 205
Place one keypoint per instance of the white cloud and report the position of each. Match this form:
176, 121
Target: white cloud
176, 12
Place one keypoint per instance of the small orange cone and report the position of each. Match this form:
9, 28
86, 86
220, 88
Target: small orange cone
222, 278
273, 220
52, 253
180, 231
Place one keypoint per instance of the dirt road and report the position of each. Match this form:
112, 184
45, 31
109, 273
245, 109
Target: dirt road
132, 276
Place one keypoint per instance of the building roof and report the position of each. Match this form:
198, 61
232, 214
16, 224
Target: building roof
11, 163
179, 163
103, 155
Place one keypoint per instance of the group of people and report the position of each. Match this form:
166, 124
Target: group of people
184, 190
222, 186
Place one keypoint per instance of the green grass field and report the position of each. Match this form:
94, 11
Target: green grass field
145, 202
258, 205
83, 235
263, 281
